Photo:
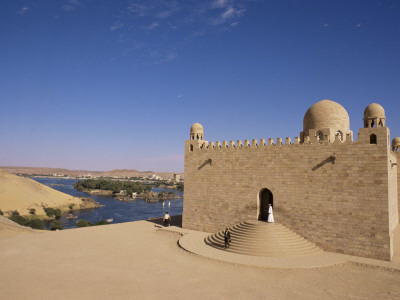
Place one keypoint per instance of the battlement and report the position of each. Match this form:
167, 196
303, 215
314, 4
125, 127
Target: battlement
378, 136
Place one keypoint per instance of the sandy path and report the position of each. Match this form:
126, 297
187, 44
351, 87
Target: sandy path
135, 261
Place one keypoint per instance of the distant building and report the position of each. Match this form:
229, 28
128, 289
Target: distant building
341, 195
155, 177
177, 178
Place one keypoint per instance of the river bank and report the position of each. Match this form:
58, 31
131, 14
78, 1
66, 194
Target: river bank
111, 208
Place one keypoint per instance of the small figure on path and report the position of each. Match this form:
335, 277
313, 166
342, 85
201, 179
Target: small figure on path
167, 219
270, 214
227, 236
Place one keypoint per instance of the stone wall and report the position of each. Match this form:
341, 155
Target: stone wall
397, 154
334, 194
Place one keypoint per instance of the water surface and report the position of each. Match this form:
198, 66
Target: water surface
119, 211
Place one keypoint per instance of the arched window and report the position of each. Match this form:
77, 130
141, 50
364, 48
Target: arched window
320, 136
340, 135
372, 139
372, 123
380, 123
191, 147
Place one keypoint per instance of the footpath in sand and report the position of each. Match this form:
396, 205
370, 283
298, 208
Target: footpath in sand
138, 260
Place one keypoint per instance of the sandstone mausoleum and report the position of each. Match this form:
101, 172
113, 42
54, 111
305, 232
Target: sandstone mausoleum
338, 193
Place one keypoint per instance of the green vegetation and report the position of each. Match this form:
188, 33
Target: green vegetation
101, 222
32, 211
17, 218
55, 224
50, 212
1, 213
85, 223
35, 224
111, 185
169, 185
179, 186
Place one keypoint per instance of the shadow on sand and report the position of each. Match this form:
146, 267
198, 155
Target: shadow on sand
175, 221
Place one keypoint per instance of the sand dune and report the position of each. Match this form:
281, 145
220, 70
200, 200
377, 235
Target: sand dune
22, 194
9, 228
137, 261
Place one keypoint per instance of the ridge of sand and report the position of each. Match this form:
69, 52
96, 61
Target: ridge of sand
22, 194
9, 228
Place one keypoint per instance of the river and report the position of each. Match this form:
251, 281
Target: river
119, 211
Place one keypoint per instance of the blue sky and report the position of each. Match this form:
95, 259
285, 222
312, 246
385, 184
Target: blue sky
100, 85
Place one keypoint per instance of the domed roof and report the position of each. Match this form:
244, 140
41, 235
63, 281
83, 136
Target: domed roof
374, 110
326, 114
196, 128
396, 141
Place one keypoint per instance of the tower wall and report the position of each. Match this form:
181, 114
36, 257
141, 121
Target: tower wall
339, 195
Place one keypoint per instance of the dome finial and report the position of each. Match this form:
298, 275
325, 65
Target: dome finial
196, 132
396, 144
374, 116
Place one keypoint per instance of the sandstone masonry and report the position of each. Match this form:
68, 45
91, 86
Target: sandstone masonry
341, 195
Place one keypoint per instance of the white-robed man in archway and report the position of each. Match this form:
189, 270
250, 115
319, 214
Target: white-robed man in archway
270, 214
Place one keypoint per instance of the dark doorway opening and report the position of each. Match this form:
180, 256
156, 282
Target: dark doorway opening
266, 198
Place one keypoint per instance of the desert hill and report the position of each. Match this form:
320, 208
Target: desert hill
112, 173
9, 228
22, 194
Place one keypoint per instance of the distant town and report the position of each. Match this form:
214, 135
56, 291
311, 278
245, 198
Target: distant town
118, 174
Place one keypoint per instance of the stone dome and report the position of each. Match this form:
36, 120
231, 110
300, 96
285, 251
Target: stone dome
196, 128
374, 110
326, 114
396, 142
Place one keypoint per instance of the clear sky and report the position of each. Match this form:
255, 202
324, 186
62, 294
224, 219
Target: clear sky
100, 85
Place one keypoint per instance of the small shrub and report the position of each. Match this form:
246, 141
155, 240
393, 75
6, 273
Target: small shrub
71, 206
55, 224
83, 223
35, 224
52, 212
102, 222
15, 213
32, 211
18, 219
1, 213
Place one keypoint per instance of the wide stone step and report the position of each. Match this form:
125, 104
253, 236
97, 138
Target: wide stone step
262, 239
264, 226
243, 245
273, 253
254, 232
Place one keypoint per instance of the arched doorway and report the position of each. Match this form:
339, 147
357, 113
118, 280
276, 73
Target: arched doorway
266, 198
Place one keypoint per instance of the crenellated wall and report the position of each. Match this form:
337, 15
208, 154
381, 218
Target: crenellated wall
339, 195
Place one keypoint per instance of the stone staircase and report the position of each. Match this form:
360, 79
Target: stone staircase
259, 238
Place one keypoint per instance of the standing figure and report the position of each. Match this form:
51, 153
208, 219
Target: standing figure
227, 237
167, 219
270, 214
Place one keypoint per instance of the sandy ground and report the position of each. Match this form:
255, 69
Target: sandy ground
137, 261
19, 193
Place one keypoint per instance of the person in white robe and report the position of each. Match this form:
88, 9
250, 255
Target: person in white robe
270, 215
